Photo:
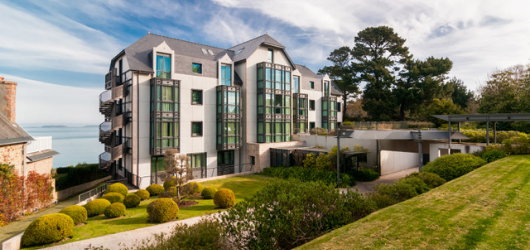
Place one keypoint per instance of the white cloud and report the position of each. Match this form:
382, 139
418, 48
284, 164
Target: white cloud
52, 42
46, 103
478, 36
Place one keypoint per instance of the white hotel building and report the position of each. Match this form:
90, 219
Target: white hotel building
223, 107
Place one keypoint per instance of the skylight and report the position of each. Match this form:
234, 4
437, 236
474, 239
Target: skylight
210, 51
204, 51
239, 51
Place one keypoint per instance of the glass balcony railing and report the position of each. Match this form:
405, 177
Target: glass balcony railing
105, 127
105, 96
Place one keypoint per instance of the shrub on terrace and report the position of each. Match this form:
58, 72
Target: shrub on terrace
162, 210
306, 174
155, 189
493, 155
115, 210
432, 180
193, 189
77, 213
143, 194
48, 229
96, 207
131, 200
453, 166
113, 197
224, 198
118, 188
208, 192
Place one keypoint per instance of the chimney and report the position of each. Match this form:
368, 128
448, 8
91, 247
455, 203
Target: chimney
8, 92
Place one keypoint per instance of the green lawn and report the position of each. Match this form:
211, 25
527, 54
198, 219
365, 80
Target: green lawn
243, 187
488, 208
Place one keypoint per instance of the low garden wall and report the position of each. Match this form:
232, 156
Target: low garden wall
64, 194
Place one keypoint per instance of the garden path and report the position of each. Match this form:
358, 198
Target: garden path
17, 227
366, 187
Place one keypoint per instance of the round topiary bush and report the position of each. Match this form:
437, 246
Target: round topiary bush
143, 194
48, 229
155, 189
208, 192
115, 210
162, 210
224, 198
431, 179
131, 200
118, 188
170, 183
77, 213
96, 207
453, 166
493, 155
113, 197
193, 188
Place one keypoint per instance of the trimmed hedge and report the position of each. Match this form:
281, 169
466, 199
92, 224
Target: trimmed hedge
432, 180
224, 198
118, 188
308, 174
208, 192
96, 207
113, 197
193, 188
77, 213
162, 210
364, 175
155, 189
170, 183
453, 166
115, 210
82, 173
493, 155
48, 229
131, 200
143, 194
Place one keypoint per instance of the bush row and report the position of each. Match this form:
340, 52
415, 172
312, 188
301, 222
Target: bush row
453, 166
480, 135
307, 174
81, 173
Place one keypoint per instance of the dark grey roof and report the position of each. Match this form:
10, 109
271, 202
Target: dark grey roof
252, 45
335, 90
138, 53
37, 156
510, 117
11, 132
305, 71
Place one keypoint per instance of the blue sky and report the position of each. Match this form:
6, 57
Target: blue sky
45, 45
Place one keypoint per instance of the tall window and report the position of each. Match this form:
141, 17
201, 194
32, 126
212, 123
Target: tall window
296, 84
225, 157
196, 97
326, 88
226, 75
197, 160
196, 68
163, 66
311, 104
167, 98
196, 129
312, 85
270, 55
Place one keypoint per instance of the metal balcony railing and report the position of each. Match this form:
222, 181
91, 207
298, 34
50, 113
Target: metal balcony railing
39, 144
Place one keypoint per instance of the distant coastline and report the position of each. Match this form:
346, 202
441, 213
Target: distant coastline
54, 126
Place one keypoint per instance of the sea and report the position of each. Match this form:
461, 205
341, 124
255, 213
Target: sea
74, 144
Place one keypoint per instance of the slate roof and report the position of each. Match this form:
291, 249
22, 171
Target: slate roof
252, 45
305, 71
11, 132
37, 156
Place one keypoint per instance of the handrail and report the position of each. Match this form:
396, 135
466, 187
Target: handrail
92, 192
39, 144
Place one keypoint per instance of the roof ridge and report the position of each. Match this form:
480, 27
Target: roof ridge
187, 41
247, 41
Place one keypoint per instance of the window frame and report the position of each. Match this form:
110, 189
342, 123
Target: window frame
201, 128
271, 53
312, 107
199, 68
163, 73
202, 96
312, 84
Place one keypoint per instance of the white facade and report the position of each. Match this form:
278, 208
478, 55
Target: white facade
131, 143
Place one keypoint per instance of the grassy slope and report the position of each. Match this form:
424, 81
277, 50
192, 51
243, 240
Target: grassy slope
243, 187
488, 208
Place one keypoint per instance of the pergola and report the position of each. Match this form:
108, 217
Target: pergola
508, 117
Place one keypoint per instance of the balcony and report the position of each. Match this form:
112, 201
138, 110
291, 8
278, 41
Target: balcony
105, 102
117, 122
39, 144
111, 79
105, 132
104, 160
117, 152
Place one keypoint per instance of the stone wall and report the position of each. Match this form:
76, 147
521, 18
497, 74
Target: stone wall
8, 91
12, 155
42, 167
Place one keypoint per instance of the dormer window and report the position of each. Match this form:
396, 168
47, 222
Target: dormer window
163, 66
239, 51
270, 55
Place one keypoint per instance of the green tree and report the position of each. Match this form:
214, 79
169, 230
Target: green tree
342, 74
506, 91
442, 107
378, 55
420, 82
461, 95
